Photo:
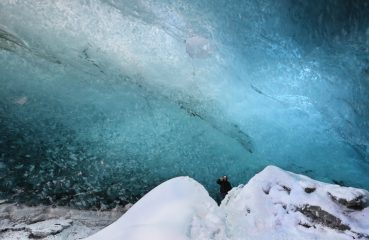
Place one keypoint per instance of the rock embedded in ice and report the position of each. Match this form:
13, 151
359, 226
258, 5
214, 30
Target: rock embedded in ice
318, 215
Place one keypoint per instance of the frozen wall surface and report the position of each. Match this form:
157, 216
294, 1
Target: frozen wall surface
101, 100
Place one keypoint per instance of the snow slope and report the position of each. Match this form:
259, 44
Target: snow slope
277, 204
274, 204
177, 209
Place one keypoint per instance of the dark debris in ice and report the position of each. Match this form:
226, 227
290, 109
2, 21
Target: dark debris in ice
228, 129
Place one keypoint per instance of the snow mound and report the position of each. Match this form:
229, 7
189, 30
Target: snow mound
274, 204
277, 204
178, 209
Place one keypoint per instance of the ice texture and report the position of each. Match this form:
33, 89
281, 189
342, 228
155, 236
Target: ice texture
102, 100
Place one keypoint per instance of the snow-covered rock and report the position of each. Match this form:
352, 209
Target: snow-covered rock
48, 227
277, 204
274, 204
40, 229
19, 222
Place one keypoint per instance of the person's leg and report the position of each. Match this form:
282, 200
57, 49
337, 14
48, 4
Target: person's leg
222, 196
218, 199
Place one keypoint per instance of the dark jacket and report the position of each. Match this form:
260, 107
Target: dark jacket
225, 186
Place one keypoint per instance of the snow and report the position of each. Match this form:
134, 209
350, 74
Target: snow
19, 222
48, 227
273, 209
273, 205
177, 209
269, 206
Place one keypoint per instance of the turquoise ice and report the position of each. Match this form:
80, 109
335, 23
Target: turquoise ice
100, 101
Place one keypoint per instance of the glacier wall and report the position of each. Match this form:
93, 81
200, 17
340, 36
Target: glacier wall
101, 100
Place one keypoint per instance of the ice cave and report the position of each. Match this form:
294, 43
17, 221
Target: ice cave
101, 101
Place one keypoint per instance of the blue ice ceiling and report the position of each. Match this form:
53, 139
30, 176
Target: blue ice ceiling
102, 100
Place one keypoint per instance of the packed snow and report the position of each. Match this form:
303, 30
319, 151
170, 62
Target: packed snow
274, 204
177, 209
270, 206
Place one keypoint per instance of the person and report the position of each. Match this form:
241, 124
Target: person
225, 186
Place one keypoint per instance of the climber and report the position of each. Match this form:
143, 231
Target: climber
225, 186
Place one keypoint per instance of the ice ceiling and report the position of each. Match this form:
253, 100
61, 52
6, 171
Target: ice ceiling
101, 100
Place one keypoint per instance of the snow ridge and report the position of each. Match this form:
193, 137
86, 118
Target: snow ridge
274, 204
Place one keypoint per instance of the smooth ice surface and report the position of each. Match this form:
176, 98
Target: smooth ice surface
181, 209
102, 100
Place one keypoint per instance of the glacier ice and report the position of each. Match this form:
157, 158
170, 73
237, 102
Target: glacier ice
198, 47
102, 100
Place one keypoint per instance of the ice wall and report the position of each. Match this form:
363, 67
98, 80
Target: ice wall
103, 100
